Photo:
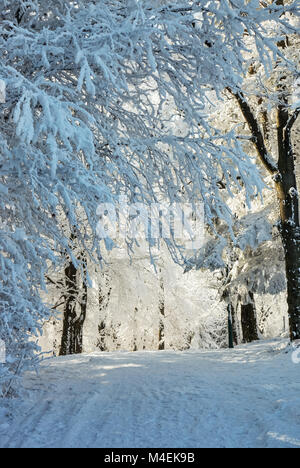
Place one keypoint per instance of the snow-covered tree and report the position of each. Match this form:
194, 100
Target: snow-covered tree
83, 122
269, 105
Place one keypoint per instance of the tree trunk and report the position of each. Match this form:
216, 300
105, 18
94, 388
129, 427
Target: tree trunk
79, 323
161, 332
286, 184
235, 325
72, 335
284, 175
230, 327
249, 320
291, 242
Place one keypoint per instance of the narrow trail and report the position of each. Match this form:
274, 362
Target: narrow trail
249, 397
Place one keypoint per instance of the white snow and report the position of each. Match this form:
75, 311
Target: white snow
248, 397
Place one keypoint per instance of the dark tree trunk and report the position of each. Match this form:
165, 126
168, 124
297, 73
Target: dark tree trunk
287, 191
81, 319
230, 327
161, 332
235, 328
102, 333
284, 175
235, 324
291, 242
73, 321
249, 320
68, 334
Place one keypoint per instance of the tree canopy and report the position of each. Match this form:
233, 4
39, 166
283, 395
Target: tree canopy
108, 98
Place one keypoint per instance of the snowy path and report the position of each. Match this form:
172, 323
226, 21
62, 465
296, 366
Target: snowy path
249, 397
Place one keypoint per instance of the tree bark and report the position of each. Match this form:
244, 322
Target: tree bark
288, 196
249, 320
235, 325
230, 327
284, 175
72, 335
161, 332
291, 241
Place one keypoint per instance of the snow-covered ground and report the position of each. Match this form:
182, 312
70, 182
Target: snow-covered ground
249, 397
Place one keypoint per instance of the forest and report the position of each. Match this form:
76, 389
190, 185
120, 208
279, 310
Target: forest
149, 213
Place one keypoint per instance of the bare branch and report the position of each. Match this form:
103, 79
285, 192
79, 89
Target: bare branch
257, 134
57, 305
56, 283
292, 121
